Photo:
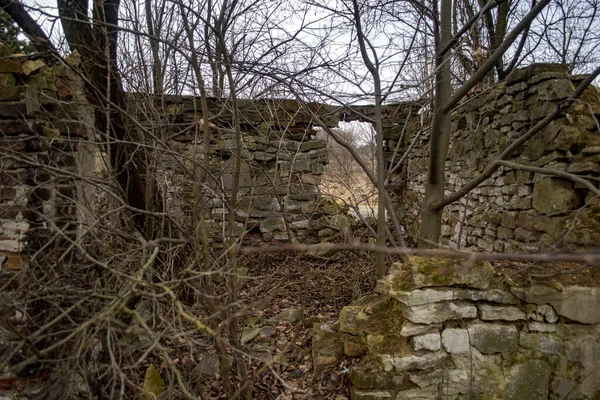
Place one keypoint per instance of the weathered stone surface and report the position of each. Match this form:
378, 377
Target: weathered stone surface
412, 362
584, 353
326, 346
291, 315
494, 338
429, 378
543, 343
448, 272
352, 319
424, 296
493, 295
551, 195
541, 327
506, 313
529, 380
456, 340
577, 303
364, 378
354, 347
430, 341
411, 329
418, 394
570, 330
357, 394
271, 224
439, 312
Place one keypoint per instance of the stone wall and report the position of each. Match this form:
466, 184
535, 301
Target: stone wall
445, 330
46, 148
515, 210
281, 167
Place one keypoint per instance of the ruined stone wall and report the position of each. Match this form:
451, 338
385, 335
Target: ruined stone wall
46, 148
515, 210
280, 173
442, 330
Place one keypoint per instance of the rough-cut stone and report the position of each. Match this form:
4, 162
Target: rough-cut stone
529, 380
551, 195
411, 329
541, 342
291, 315
506, 313
430, 378
370, 394
456, 340
326, 347
413, 362
424, 296
548, 312
430, 341
492, 295
367, 378
418, 394
541, 327
439, 312
448, 272
352, 319
494, 338
584, 353
576, 303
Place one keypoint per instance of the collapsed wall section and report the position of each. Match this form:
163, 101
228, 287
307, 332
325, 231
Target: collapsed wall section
442, 329
515, 209
280, 172
46, 154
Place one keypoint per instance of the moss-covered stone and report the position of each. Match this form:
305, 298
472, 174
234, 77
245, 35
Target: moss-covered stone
551, 195
437, 271
530, 380
154, 385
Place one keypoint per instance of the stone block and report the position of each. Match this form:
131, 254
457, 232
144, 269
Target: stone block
436, 271
430, 393
494, 338
364, 378
504, 313
411, 329
412, 362
551, 195
529, 380
271, 224
541, 327
542, 342
581, 304
422, 296
429, 341
456, 341
356, 394
439, 312
492, 295
352, 319
354, 347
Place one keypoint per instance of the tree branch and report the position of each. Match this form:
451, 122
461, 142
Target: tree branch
493, 59
35, 33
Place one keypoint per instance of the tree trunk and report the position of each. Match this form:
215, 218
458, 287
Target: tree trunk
431, 216
96, 42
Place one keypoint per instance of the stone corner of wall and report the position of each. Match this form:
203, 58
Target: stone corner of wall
433, 329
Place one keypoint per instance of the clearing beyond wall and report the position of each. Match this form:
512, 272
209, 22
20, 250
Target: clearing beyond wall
444, 330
